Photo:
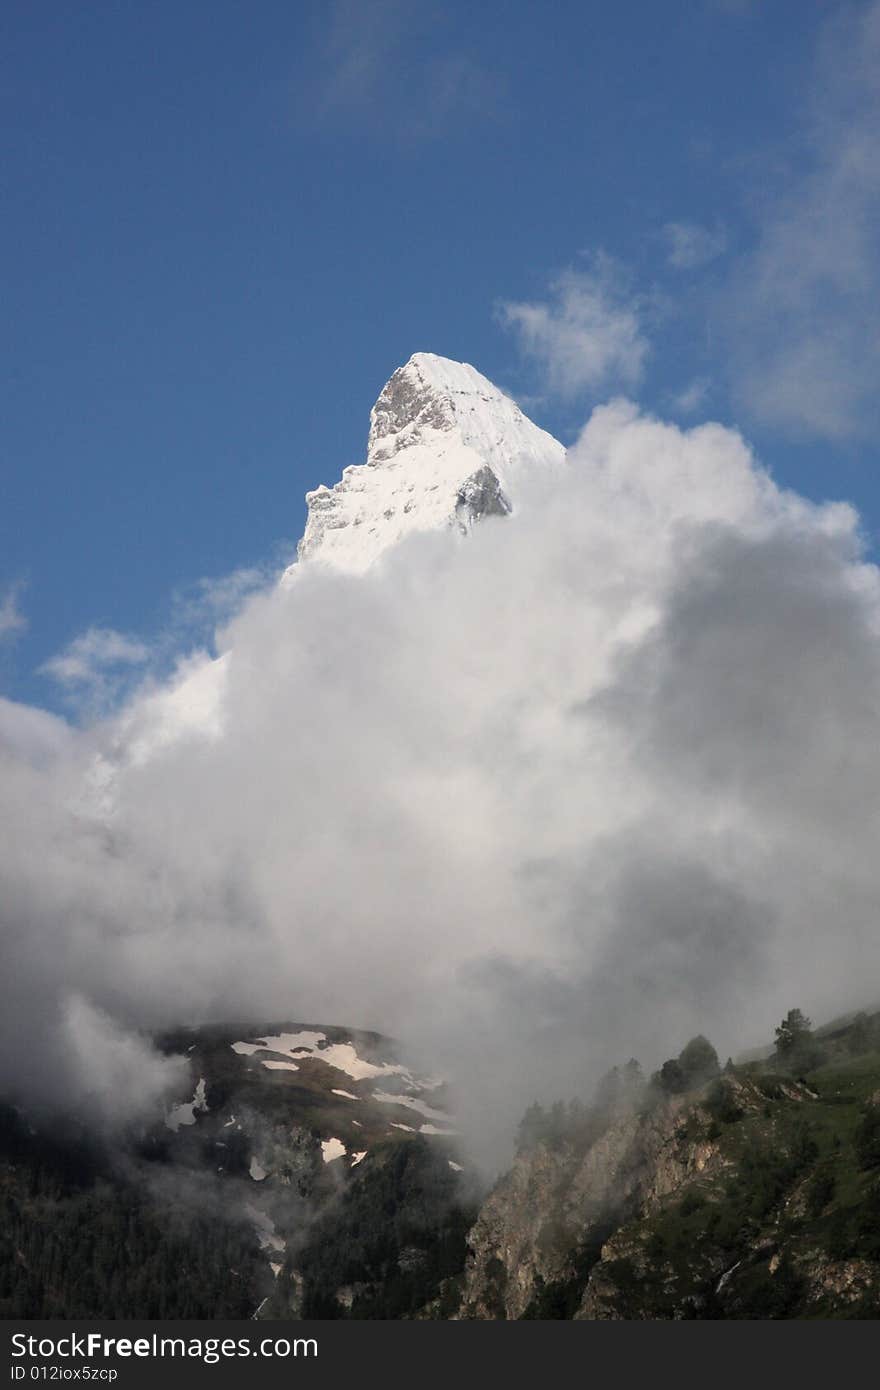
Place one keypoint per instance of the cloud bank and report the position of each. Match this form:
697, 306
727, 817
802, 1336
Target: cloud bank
597, 777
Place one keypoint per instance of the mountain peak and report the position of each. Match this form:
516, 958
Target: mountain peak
444, 449
430, 392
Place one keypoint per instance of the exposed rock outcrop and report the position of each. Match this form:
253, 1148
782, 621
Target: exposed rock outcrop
534, 1228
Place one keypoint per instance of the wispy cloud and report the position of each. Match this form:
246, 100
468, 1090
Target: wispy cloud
587, 335
733, 6
96, 665
802, 308
100, 667
692, 398
357, 48
690, 246
396, 65
12, 620
199, 608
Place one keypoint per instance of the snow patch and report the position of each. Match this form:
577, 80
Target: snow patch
257, 1171
411, 1103
267, 1236
725, 1276
332, 1149
305, 1045
345, 1058
185, 1114
358, 1158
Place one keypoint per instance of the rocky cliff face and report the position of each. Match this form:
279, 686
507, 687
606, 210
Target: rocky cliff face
755, 1196
556, 1205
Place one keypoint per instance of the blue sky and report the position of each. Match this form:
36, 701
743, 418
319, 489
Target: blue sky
226, 224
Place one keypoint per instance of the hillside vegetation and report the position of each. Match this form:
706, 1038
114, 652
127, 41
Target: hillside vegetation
752, 1192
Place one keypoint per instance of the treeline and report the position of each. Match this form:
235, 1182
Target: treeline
796, 1052
625, 1086
80, 1240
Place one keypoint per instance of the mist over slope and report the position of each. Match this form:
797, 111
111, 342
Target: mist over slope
596, 776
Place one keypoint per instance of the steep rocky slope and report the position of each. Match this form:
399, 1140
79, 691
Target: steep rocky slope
559, 1201
754, 1195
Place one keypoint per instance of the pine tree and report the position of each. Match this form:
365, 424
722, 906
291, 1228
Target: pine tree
792, 1032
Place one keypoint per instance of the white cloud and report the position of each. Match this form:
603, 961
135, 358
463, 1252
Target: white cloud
12, 620
690, 246
800, 313
175, 670
114, 1072
593, 780
32, 735
587, 336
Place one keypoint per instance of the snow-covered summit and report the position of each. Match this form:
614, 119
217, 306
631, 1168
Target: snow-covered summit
445, 448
